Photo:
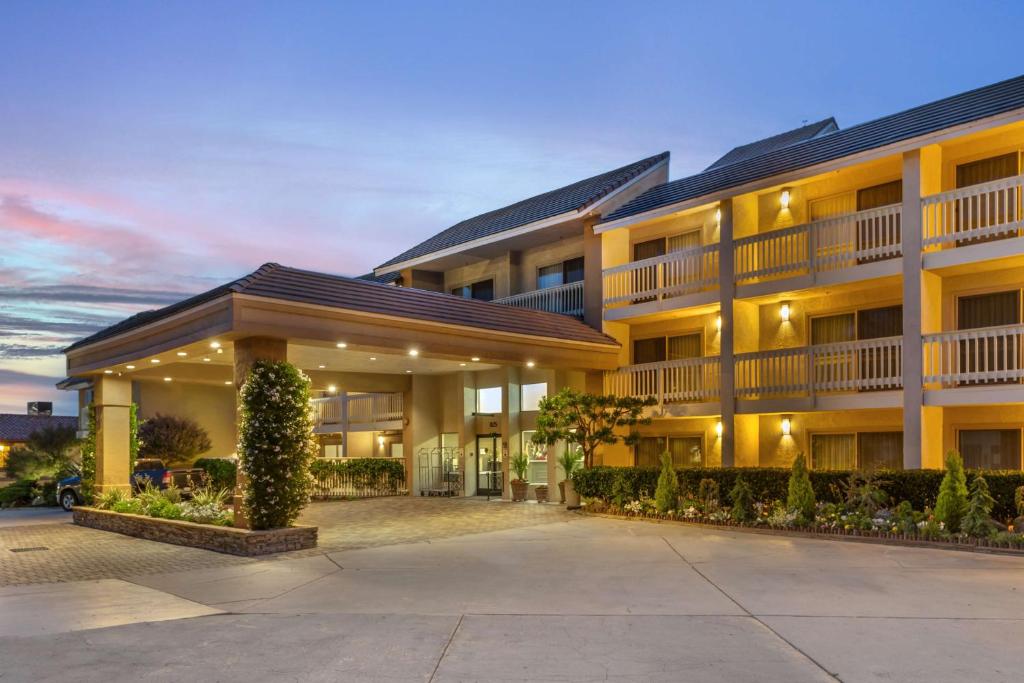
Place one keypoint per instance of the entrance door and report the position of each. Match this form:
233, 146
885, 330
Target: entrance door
489, 480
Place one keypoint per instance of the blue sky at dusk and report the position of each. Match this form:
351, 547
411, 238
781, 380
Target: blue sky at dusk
153, 150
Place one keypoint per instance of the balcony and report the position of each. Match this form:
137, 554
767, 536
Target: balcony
972, 217
822, 251
565, 299
672, 382
983, 365
808, 372
357, 412
675, 280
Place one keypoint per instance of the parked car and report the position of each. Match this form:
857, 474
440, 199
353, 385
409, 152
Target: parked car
69, 490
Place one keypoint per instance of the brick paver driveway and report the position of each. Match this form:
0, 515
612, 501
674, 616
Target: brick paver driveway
48, 553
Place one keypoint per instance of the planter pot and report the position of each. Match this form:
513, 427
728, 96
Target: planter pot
541, 492
519, 489
561, 492
572, 499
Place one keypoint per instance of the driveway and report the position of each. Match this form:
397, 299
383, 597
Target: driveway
568, 599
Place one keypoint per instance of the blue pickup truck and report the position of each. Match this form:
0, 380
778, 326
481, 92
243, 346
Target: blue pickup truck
69, 491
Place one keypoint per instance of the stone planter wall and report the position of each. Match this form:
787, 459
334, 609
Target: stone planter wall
207, 536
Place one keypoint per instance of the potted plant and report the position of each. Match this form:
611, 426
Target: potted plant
520, 464
541, 492
570, 461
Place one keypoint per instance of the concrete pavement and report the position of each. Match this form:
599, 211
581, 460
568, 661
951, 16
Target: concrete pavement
575, 599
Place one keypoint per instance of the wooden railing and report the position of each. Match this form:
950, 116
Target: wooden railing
973, 213
350, 409
868, 364
565, 299
671, 381
986, 354
675, 274
824, 245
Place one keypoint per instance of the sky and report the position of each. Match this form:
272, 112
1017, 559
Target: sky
149, 150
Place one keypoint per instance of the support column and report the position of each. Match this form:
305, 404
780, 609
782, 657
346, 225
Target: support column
727, 292
112, 401
593, 288
247, 351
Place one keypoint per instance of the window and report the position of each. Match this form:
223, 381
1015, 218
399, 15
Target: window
994, 354
990, 449
986, 170
880, 195
863, 451
686, 451
483, 290
538, 456
657, 349
560, 273
532, 394
488, 400
990, 214
666, 245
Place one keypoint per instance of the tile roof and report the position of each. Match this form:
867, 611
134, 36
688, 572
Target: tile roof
575, 197
17, 428
973, 105
770, 144
385, 279
275, 281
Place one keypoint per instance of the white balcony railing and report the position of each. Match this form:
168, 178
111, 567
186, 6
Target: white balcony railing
824, 245
565, 299
671, 381
977, 212
675, 274
869, 364
986, 354
346, 409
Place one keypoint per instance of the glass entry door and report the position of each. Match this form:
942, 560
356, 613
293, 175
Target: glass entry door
489, 480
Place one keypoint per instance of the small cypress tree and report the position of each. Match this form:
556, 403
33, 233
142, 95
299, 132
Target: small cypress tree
666, 495
742, 502
801, 494
977, 519
952, 501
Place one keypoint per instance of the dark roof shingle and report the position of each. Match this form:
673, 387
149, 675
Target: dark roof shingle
780, 141
973, 105
574, 197
275, 281
17, 428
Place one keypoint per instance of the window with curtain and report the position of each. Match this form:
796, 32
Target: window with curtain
988, 210
648, 450
880, 195
999, 353
987, 170
686, 451
834, 451
884, 362
875, 234
831, 329
657, 349
649, 350
687, 240
990, 449
549, 276
684, 346
880, 450
649, 249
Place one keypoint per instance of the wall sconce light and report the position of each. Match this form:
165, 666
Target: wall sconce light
380, 442
718, 428
332, 389
718, 216
718, 323
787, 425
784, 199
784, 311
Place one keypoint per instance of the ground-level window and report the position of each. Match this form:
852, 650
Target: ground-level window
330, 446
686, 451
853, 451
538, 456
990, 449
488, 400
531, 395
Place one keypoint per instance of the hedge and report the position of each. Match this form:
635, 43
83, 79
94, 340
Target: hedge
357, 477
919, 487
222, 473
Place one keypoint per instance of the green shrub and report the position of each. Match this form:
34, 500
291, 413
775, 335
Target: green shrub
952, 500
742, 510
275, 443
520, 466
977, 520
800, 496
1018, 500
666, 495
108, 499
381, 475
708, 493
21, 492
864, 494
130, 506
622, 491
220, 473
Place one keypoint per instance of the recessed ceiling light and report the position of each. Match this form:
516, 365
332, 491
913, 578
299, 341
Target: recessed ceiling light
167, 379
206, 360
154, 360
408, 371
321, 366
108, 372
332, 388
182, 354
341, 345
228, 382
220, 350
130, 367
530, 363
214, 345
475, 359
462, 365
414, 352
373, 357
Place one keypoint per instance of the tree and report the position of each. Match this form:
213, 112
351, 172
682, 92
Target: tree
49, 451
742, 510
977, 520
175, 440
666, 495
590, 420
952, 501
801, 493
275, 443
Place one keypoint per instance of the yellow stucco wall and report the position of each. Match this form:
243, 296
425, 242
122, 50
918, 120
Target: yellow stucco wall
212, 407
778, 450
